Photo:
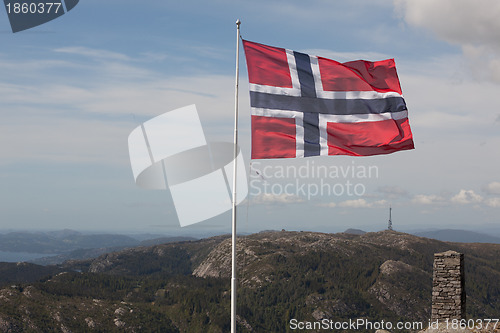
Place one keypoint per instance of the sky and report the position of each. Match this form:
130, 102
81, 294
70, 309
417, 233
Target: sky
73, 89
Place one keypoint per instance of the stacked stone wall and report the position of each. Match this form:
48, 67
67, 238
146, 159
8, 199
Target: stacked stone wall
448, 290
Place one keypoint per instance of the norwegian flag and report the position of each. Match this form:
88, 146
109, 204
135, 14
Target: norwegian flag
304, 105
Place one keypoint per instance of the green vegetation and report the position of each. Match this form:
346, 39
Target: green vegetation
306, 276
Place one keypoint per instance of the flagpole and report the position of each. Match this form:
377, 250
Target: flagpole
233, 250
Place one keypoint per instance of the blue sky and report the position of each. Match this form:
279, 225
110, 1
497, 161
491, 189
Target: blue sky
73, 89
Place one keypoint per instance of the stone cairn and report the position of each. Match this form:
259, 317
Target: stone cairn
448, 287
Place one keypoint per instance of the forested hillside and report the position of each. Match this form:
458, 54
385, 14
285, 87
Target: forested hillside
185, 287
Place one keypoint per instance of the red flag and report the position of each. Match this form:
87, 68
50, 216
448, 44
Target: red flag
305, 105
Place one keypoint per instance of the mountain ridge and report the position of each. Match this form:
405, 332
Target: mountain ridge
282, 275
459, 236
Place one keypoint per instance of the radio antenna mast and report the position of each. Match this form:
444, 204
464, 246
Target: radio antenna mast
389, 227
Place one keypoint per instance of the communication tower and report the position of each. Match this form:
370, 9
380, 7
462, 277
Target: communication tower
389, 227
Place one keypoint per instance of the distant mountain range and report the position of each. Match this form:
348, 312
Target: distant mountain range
460, 236
68, 244
355, 231
60, 241
185, 286
96, 252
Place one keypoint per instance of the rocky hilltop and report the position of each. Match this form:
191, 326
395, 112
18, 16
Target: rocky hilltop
185, 287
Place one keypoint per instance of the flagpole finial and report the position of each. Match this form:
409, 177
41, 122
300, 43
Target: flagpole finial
238, 22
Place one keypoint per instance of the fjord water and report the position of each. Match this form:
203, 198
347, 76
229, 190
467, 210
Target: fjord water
20, 256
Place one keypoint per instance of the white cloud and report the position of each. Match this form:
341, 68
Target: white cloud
431, 199
380, 203
447, 18
493, 202
436, 101
357, 203
492, 188
465, 197
314, 14
108, 82
65, 140
474, 25
362, 203
268, 198
393, 192
85, 112
327, 205
93, 53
